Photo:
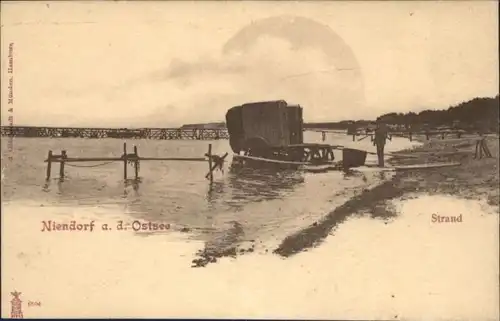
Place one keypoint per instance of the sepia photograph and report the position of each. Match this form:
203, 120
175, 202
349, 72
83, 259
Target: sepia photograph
250, 159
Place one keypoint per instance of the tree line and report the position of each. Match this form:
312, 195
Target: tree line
475, 114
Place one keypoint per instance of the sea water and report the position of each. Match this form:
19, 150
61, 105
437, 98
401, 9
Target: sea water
264, 204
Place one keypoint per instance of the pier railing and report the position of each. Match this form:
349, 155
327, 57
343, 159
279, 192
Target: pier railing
138, 133
190, 133
364, 133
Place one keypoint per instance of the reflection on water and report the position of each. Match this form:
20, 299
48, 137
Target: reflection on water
246, 185
254, 185
242, 187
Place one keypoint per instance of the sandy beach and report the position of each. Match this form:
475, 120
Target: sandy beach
475, 179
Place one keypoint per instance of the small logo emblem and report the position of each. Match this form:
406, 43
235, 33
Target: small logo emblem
16, 303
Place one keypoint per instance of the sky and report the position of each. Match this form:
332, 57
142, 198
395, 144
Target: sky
163, 64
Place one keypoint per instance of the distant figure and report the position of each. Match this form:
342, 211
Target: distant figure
379, 141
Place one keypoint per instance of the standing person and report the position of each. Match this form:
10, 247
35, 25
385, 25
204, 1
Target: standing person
379, 141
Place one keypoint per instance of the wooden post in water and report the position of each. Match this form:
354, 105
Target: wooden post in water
61, 167
136, 163
442, 135
411, 138
49, 164
353, 137
210, 173
124, 161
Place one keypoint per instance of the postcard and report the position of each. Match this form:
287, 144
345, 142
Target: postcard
227, 159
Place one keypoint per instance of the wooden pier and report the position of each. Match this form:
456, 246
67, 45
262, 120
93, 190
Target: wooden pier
130, 133
363, 133
188, 133
214, 161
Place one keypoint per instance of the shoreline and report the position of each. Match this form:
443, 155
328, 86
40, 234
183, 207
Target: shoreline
473, 179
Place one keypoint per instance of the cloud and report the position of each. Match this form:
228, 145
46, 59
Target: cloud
271, 69
180, 69
203, 88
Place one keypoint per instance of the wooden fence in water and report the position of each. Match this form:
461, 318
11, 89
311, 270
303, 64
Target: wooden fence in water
214, 161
